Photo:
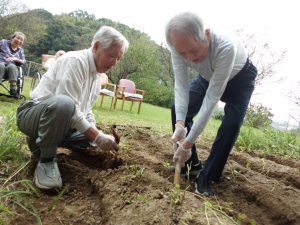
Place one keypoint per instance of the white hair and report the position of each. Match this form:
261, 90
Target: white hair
18, 33
107, 35
188, 23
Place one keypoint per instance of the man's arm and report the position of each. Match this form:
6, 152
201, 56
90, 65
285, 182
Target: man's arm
181, 86
91, 133
217, 85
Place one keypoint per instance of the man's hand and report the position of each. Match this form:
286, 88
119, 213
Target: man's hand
182, 154
106, 142
179, 133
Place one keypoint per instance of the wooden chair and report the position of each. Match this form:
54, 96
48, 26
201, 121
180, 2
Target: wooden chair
107, 89
128, 92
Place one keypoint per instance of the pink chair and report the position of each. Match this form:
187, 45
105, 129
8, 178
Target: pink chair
107, 89
128, 92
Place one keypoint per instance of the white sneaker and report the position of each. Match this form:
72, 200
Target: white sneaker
47, 175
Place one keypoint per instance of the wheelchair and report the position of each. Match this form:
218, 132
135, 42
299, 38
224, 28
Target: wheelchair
35, 80
20, 85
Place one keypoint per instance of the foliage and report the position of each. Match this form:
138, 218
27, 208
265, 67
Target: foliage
14, 192
269, 141
259, 116
218, 113
176, 196
8, 7
10, 139
32, 24
146, 63
294, 97
261, 54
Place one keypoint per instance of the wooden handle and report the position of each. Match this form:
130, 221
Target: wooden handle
177, 173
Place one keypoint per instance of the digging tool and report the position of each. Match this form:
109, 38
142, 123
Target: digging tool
177, 172
115, 134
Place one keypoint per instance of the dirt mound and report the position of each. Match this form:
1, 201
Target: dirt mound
132, 186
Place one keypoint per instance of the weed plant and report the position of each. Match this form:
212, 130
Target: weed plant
269, 141
11, 139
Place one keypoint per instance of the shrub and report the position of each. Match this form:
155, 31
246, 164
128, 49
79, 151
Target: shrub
218, 113
259, 116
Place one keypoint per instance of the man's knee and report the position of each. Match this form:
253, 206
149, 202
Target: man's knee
232, 123
63, 105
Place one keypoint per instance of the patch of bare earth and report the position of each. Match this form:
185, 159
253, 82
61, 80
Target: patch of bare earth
132, 186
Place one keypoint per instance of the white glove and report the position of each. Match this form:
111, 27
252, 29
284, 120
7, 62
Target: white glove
93, 125
106, 142
175, 146
182, 155
179, 133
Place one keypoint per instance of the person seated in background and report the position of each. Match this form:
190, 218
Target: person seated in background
11, 56
60, 112
51, 60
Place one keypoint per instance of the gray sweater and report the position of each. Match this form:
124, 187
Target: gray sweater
225, 59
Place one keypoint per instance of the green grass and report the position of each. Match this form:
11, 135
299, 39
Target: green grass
14, 189
159, 120
154, 117
11, 139
269, 141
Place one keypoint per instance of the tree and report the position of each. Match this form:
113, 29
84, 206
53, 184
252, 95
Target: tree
144, 63
259, 116
9, 7
80, 14
294, 96
262, 55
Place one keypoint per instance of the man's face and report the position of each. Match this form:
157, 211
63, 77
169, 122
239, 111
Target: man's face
106, 59
189, 48
18, 41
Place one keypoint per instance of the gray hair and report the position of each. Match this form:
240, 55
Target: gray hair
106, 35
18, 33
188, 23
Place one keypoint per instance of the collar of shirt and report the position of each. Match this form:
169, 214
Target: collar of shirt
91, 61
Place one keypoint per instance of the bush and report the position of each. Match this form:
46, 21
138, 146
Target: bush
259, 116
218, 113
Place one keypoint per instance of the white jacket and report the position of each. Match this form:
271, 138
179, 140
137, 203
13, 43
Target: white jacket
74, 74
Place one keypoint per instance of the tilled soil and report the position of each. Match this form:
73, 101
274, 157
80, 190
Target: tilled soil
133, 186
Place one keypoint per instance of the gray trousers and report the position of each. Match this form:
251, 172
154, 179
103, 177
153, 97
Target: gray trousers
48, 123
9, 72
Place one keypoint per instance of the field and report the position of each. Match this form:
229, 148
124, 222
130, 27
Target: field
133, 185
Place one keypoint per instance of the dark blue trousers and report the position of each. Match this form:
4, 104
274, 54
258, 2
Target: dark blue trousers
236, 97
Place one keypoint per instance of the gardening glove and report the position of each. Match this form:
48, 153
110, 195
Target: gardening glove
178, 135
175, 146
106, 142
182, 154
93, 125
